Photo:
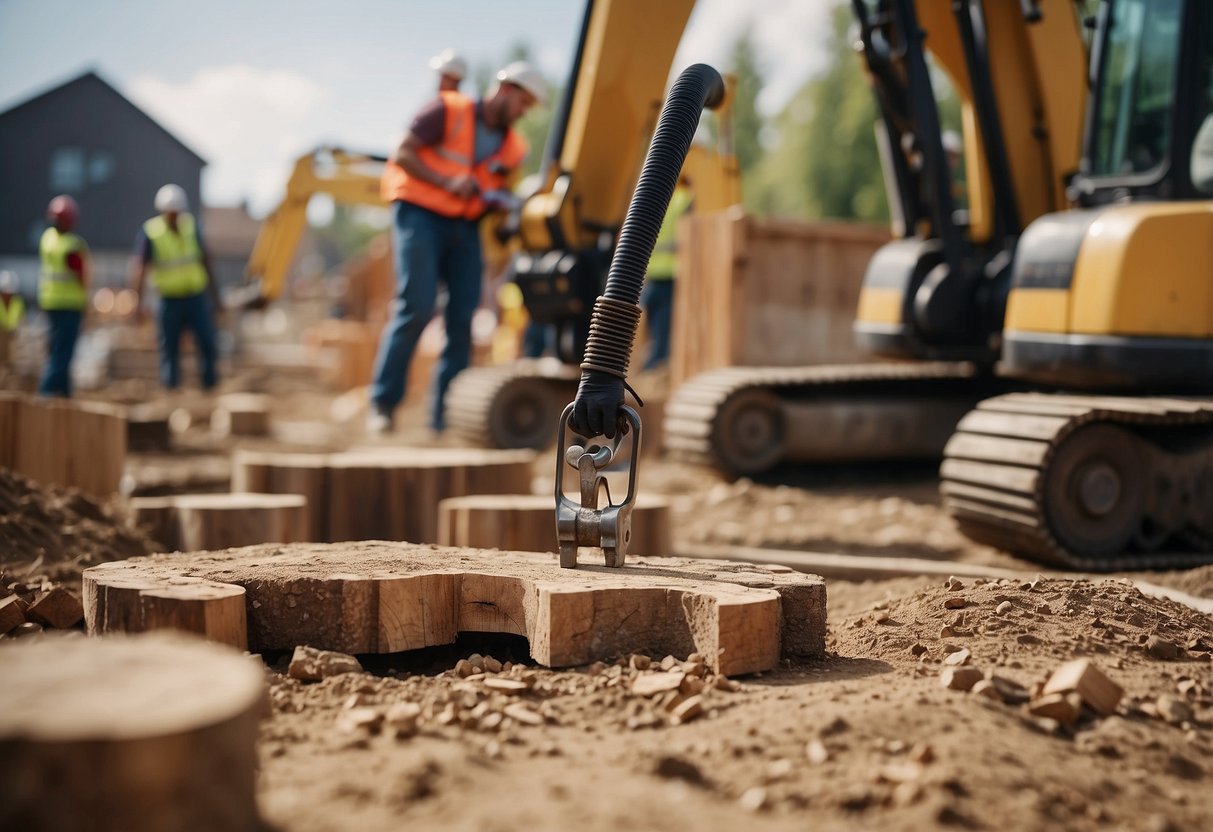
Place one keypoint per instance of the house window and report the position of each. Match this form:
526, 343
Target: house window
100, 167
67, 169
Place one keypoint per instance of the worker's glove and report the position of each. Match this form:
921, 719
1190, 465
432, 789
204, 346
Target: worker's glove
596, 408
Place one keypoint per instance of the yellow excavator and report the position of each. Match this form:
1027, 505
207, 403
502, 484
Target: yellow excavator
569, 226
566, 227
349, 178
1082, 265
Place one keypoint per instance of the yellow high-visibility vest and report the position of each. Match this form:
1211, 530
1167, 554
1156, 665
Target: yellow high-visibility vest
11, 312
176, 265
59, 288
661, 264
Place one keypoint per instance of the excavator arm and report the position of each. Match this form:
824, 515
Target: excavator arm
349, 178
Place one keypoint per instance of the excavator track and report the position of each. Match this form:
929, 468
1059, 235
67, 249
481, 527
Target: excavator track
745, 420
1086, 482
514, 405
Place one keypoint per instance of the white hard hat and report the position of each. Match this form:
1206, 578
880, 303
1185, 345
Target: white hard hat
8, 282
952, 142
172, 198
522, 74
449, 62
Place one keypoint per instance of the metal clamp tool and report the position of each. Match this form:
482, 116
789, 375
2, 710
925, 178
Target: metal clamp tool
608, 528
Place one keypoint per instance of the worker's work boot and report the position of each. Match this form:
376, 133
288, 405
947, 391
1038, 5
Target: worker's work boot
379, 422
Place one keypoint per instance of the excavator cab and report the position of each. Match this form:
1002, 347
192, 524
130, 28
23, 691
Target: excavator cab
1117, 295
1112, 300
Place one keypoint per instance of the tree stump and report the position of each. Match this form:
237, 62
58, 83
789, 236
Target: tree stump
151, 733
241, 414
147, 431
527, 522
72, 444
376, 597
382, 493
198, 522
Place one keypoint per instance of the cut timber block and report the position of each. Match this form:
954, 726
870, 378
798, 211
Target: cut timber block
148, 432
383, 493
71, 444
136, 603
56, 608
12, 613
376, 597
1081, 676
241, 414
197, 522
129, 734
527, 522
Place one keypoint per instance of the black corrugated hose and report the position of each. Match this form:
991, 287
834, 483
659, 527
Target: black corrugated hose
608, 351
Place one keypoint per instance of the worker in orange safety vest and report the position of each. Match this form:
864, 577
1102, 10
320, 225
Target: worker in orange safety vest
452, 166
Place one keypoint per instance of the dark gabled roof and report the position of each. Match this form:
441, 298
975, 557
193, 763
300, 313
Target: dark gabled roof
92, 77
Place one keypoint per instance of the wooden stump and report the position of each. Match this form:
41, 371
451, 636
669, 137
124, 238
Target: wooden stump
148, 433
72, 444
376, 597
129, 734
527, 522
197, 522
382, 493
241, 414
135, 603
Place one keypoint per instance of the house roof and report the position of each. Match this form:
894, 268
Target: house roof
92, 78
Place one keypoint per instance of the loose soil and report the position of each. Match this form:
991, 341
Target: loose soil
866, 739
54, 534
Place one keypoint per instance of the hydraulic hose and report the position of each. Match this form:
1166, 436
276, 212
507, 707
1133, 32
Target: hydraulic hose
616, 313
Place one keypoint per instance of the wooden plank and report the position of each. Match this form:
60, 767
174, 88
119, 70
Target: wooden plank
130, 734
381, 597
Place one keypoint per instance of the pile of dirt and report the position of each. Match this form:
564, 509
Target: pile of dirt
868, 738
53, 533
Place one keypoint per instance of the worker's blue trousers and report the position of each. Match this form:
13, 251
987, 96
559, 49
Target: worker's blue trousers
658, 302
428, 248
175, 316
57, 374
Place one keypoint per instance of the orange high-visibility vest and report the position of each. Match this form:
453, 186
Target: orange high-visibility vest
451, 157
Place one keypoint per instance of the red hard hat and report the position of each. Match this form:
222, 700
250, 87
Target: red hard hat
63, 210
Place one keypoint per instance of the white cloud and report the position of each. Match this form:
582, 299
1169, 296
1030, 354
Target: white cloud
246, 122
788, 33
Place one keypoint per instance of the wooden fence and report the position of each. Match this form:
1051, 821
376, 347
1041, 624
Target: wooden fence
766, 292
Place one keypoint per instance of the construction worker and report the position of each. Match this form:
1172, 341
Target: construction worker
451, 69
62, 293
440, 181
658, 296
12, 305
12, 310
169, 247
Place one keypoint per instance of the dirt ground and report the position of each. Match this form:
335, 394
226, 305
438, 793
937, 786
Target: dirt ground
867, 738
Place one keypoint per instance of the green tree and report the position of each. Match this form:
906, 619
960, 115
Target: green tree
748, 123
825, 162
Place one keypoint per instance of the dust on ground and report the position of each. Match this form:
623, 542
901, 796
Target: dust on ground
866, 738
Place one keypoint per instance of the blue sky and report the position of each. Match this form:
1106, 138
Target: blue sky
250, 84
